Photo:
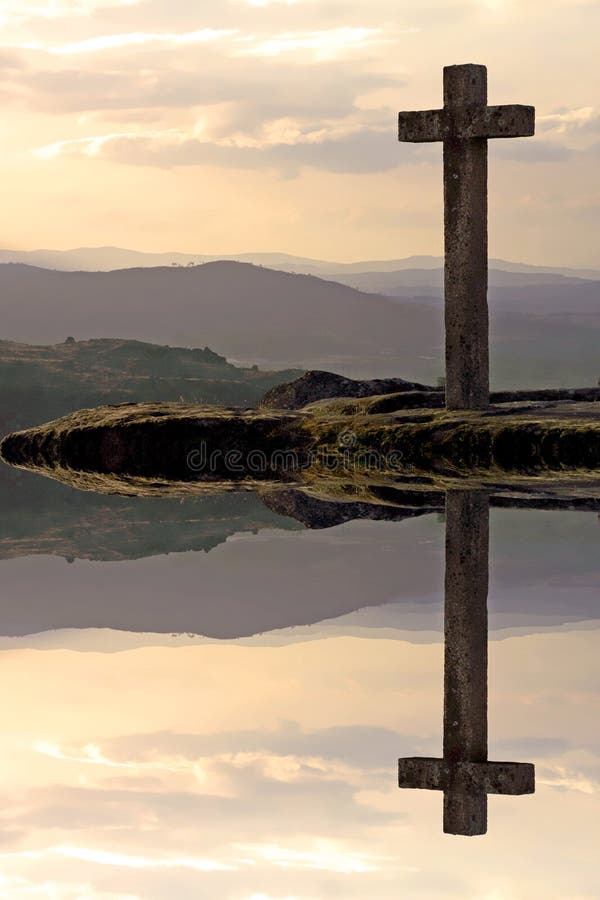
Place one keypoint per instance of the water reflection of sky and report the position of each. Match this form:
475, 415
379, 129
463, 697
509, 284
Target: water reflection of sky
265, 768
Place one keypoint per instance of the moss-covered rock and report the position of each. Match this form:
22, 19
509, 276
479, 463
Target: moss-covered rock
119, 447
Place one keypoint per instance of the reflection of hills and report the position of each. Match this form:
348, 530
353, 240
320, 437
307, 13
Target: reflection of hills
41, 516
365, 575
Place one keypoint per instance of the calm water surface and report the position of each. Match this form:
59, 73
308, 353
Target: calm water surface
208, 700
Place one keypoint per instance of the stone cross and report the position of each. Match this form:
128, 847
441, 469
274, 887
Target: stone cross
464, 773
464, 125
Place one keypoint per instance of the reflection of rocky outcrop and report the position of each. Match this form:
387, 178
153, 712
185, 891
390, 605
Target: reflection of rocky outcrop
41, 516
253, 584
315, 512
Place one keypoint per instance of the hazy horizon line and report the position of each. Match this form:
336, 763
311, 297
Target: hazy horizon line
286, 254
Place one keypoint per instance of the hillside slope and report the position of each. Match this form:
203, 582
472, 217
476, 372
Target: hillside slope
279, 319
38, 383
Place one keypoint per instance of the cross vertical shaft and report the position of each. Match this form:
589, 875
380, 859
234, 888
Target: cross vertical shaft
464, 124
466, 242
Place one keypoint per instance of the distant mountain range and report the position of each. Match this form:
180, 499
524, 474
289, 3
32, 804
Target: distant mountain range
108, 258
543, 335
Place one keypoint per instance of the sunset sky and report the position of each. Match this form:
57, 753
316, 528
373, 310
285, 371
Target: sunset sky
250, 125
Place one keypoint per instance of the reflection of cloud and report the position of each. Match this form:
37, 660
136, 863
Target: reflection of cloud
312, 809
16, 887
283, 767
17, 11
91, 754
105, 858
324, 855
359, 747
108, 858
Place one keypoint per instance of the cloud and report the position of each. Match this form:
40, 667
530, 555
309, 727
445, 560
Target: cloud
531, 150
138, 38
257, 92
569, 779
16, 11
360, 150
583, 119
324, 856
271, 2
321, 45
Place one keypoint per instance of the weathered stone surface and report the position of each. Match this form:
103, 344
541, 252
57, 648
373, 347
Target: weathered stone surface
466, 247
430, 773
464, 125
511, 121
427, 126
422, 127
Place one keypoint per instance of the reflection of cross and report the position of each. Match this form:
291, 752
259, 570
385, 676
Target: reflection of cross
464, 125
464, 774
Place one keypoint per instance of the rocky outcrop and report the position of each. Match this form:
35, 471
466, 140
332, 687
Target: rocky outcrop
393, 394
165, 442
134, 446
317, 385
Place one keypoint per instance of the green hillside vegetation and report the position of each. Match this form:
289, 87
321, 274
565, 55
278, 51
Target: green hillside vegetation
39, 383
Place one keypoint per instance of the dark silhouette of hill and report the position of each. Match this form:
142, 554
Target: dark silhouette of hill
281, 319
38, 383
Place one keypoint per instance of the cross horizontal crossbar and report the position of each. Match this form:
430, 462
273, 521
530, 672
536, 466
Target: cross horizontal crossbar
425, 126
433, 774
